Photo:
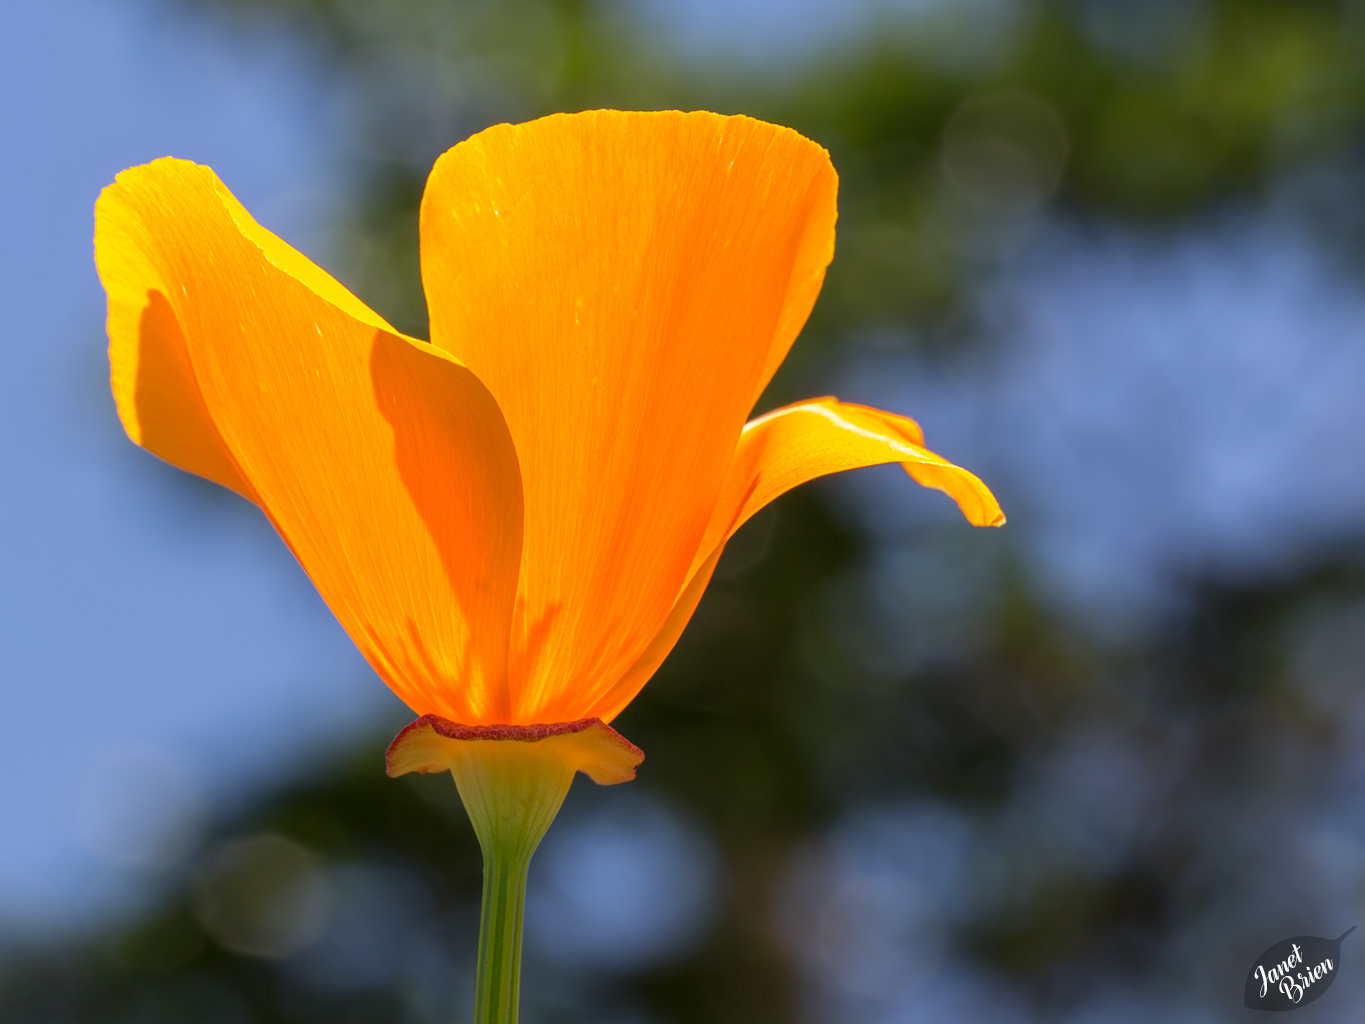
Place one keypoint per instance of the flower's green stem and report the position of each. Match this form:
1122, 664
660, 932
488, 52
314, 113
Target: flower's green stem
498, 983
512, 792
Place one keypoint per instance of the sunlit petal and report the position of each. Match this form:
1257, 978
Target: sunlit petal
800, 442
624, 284
384, 463
780, 451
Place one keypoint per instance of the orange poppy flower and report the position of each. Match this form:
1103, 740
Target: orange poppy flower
515, 521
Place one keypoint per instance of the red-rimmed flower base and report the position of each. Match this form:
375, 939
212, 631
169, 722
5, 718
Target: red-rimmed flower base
589, 745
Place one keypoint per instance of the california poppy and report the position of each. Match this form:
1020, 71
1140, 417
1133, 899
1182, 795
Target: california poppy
515, 521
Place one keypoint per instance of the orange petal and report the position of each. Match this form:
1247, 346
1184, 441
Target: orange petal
625, 284
800, 442
158, 398
383, 462
590, 746
777, 452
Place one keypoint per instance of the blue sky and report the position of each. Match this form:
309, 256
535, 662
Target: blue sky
160, 643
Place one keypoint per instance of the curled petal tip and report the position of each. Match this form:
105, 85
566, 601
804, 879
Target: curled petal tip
589, 745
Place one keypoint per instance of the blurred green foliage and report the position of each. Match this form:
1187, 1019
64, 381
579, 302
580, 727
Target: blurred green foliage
783, 720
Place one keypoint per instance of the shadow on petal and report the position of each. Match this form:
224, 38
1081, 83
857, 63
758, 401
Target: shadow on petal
453, 453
